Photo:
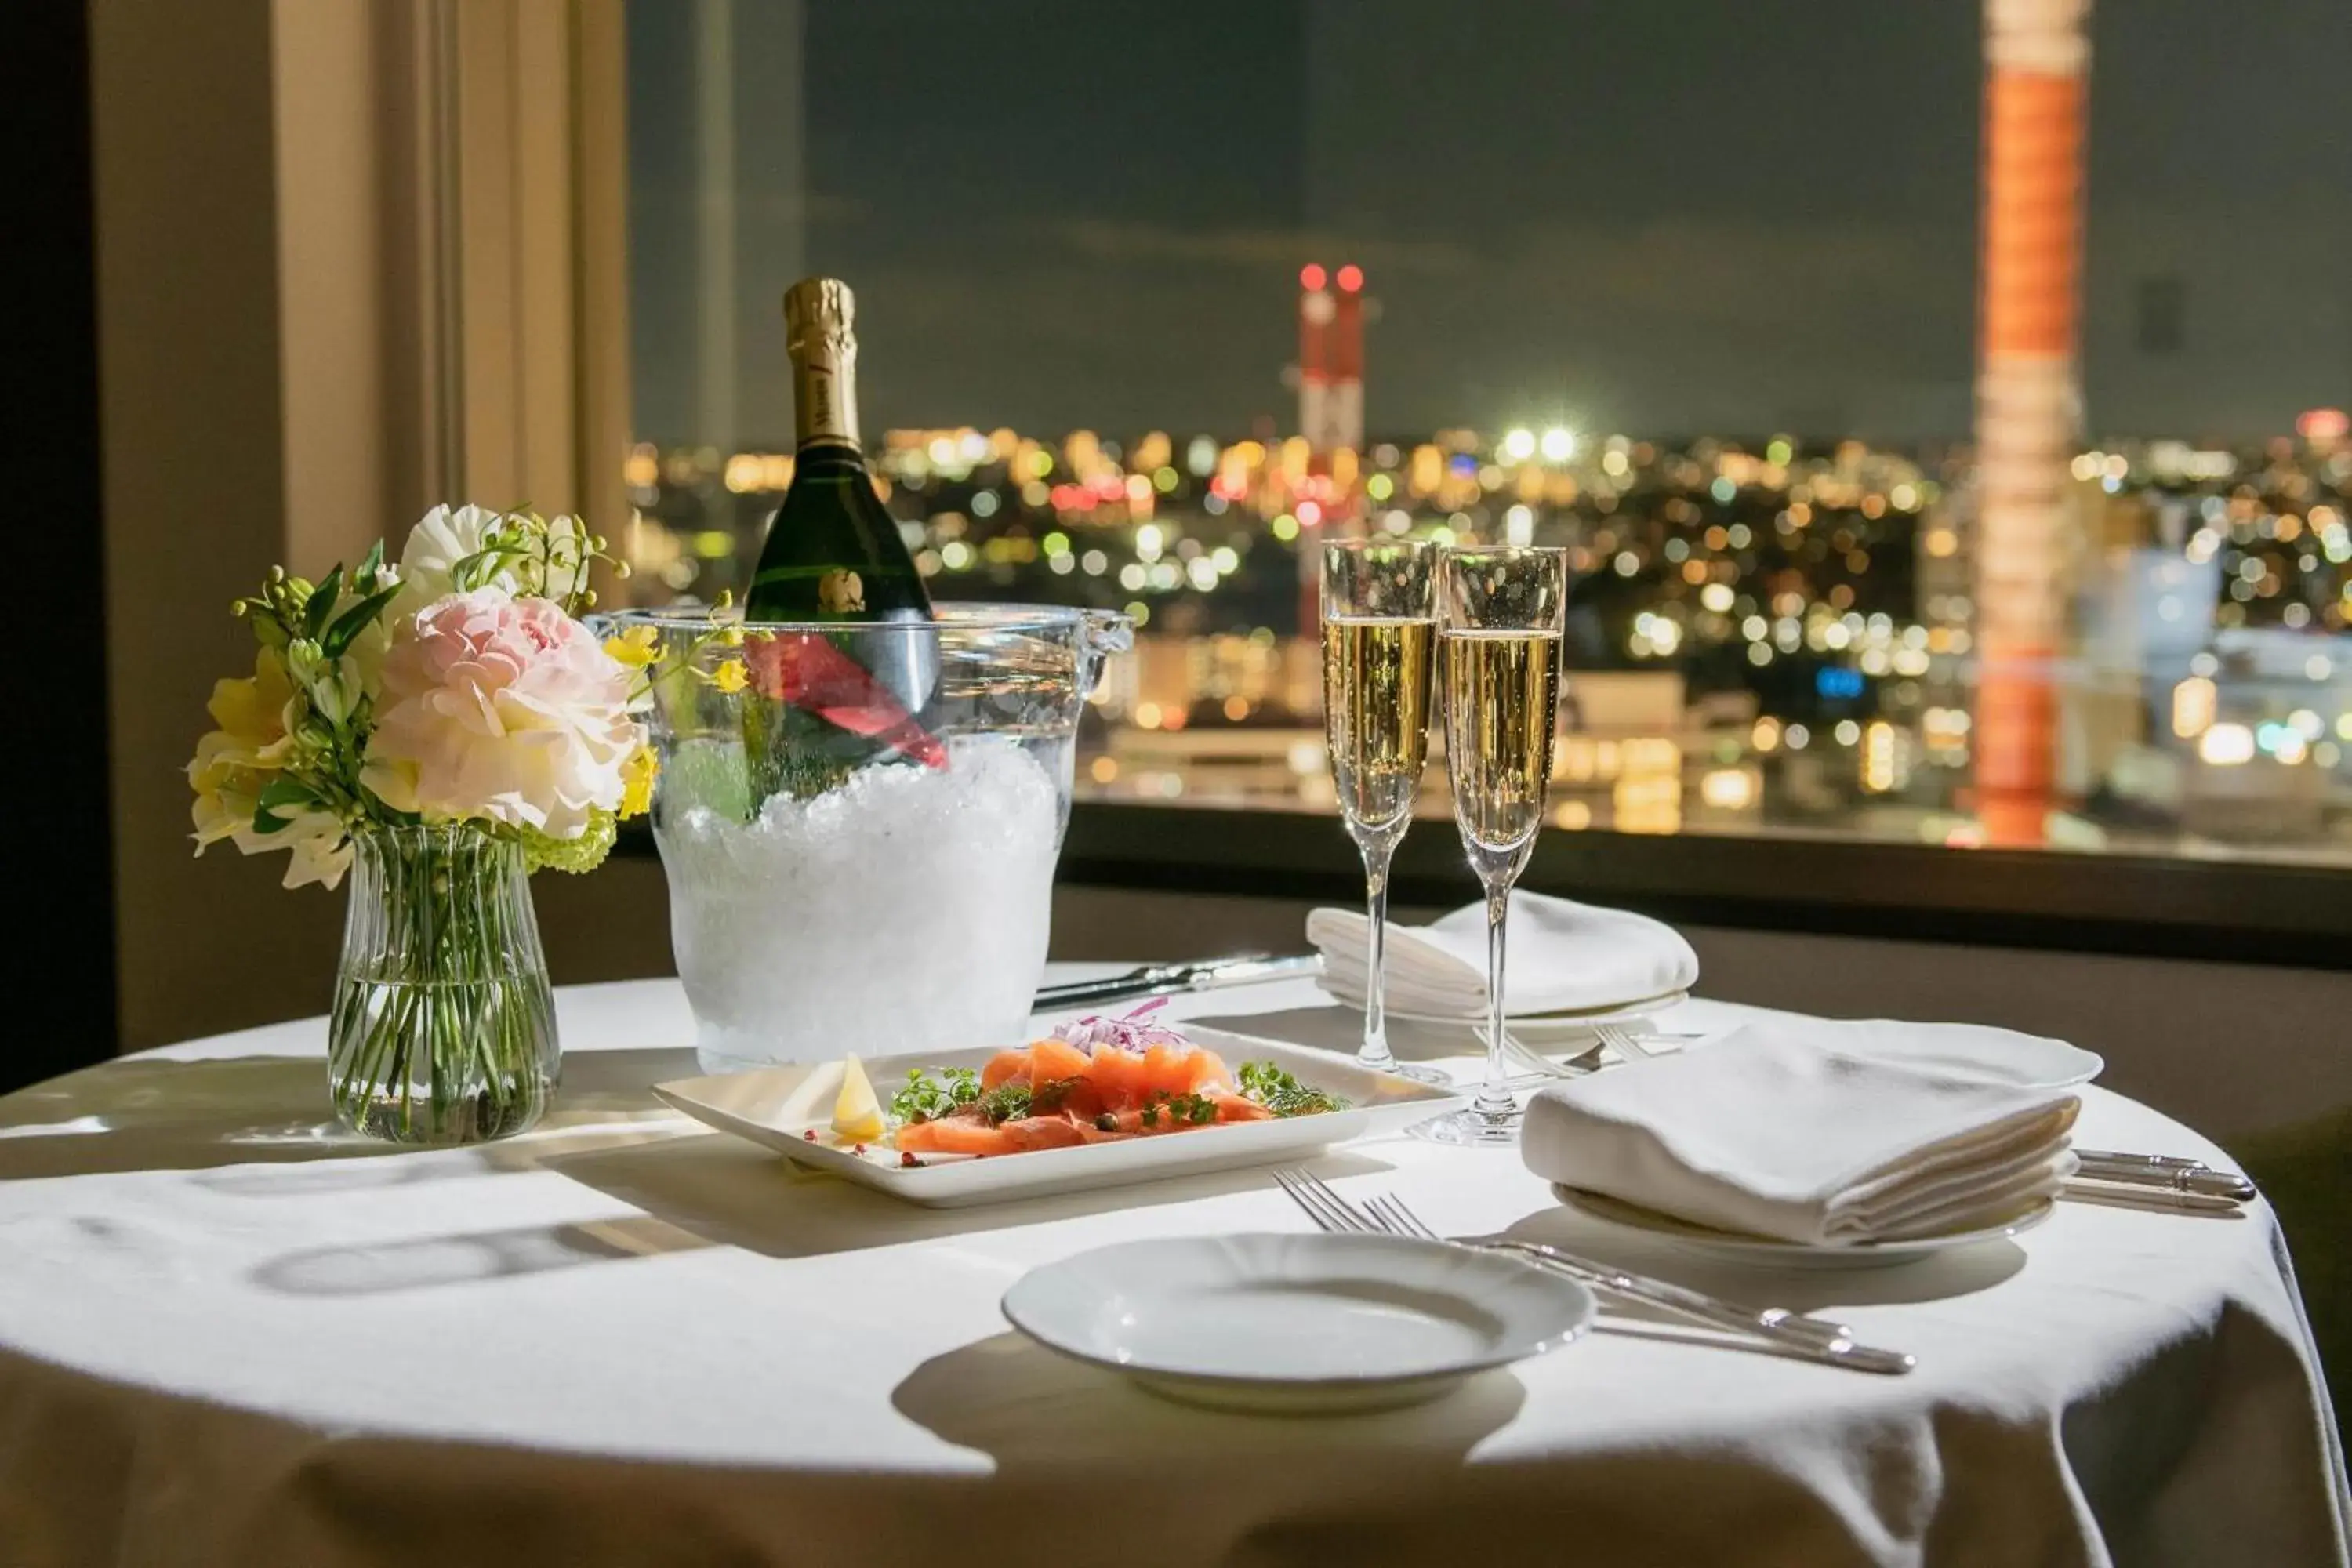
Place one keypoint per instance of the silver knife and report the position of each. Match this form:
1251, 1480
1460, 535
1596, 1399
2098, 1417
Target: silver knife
2130, 1195
2165, 1172
1171, 979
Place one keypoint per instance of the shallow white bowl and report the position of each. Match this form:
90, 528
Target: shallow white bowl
1297, 1324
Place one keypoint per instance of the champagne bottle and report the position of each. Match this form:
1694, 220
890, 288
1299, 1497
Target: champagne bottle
833, 551
833, 555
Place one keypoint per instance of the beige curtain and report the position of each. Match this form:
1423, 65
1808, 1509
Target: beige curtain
354, 257
451, 183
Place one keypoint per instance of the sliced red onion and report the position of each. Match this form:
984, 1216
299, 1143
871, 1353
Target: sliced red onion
1128, 1033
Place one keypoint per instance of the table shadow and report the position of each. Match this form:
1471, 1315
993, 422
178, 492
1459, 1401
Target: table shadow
1042, 1416
735, 1193
152, 1114
1341, 1029
432, 1262
1400, 1486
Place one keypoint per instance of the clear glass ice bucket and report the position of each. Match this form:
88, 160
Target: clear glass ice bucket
859, 823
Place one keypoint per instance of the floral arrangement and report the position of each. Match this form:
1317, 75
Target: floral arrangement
446, 725
456, 687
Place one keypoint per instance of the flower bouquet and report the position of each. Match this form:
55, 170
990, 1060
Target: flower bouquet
441, 730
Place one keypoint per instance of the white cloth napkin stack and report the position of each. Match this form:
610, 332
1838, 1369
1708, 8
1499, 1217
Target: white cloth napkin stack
1560, 957
1768, 1131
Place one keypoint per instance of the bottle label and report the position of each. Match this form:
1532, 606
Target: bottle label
841, 592
825, 400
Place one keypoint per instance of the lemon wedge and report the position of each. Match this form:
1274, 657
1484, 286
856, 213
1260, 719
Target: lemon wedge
856, 1113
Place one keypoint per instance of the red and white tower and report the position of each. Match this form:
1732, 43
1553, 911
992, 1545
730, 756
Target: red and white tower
1343, 408
1330, 414
1315, 310
1331, 360
2028, 404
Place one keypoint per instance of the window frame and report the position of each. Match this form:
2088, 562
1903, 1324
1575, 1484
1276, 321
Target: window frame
2085, 901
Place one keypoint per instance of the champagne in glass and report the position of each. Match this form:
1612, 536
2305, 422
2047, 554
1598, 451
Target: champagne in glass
1376, 713
1502, 689
1378, 632
1501, 615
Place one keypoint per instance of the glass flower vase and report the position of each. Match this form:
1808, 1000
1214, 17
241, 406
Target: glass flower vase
443, 1024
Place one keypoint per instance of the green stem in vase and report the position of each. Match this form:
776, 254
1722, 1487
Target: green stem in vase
443, 1029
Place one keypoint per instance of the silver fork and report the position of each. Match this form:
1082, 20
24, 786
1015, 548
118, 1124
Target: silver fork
1623, 1041
1539, 1069
1333, 1212
1810, 1338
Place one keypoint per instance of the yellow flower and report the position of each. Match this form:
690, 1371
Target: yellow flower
731, 677
251, 713
236, 762
635, 647
637, 775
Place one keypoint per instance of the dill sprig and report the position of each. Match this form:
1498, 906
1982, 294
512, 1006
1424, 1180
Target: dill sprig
1283, 1095
1005, 1102
926, 1099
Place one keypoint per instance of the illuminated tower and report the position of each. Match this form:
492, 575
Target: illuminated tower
1343, 408
2028, 405
1331, 362
1315, 310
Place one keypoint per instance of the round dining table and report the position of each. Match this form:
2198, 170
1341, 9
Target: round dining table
233, 1334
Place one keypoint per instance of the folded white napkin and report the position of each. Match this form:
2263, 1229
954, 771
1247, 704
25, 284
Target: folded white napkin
1561, 956
1789, 1129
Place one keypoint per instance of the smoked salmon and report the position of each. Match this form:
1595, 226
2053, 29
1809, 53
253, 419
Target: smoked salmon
1096, 1081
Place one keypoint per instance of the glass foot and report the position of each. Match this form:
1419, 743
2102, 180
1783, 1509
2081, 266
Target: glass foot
1419, 1073
1471, 1129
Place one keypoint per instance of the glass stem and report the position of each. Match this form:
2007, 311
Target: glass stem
1495, 1094
1375, 1053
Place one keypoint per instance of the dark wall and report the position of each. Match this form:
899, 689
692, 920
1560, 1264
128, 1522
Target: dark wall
57, 855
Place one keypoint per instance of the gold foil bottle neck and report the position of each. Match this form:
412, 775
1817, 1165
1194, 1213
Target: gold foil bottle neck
819, 312
817, 316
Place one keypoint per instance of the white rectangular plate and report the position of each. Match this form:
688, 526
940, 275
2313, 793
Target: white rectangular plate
778, 1107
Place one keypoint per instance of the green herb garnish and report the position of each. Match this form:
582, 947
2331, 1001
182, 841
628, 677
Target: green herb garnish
1197, 1109
926, 1099
1283, 1094
1005, 1102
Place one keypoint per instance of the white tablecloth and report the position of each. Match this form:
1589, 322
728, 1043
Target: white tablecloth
228, 1336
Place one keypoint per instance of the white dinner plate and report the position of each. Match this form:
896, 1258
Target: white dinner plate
1977, 1051
1735, 1246
1297, 1324
1547, 1025
780, 1107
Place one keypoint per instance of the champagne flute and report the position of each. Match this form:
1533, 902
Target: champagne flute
1500, 614
1379, 623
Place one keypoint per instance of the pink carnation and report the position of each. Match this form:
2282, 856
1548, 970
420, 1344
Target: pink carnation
502, 708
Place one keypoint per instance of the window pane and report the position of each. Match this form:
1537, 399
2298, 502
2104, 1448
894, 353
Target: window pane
1151, 299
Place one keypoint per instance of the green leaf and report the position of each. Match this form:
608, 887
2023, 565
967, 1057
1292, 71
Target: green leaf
276, 796
355, 620
370, 565
321, 603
